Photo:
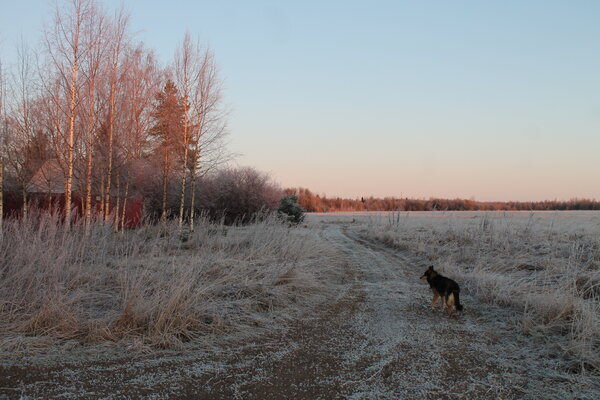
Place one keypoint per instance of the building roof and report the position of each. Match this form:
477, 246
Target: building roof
48, 179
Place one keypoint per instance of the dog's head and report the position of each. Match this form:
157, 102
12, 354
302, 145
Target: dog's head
429, 274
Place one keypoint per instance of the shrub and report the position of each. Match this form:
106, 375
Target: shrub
290, 210
234, 195
238, 195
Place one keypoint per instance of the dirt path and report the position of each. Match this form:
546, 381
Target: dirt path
376, 340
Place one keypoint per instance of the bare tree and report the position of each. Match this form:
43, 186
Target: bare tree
119, 30
53, 108
62, 43
2, 138
95, 46
204, 117
24, 146
208, 120
139, 83
96, 109
22, 138
186, 73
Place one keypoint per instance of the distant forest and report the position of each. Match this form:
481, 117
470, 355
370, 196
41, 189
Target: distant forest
316, 203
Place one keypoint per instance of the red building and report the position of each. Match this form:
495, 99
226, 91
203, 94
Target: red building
46, 191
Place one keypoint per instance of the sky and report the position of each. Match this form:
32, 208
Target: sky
490, 100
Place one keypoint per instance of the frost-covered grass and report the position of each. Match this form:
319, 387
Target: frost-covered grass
545, 266
149, 287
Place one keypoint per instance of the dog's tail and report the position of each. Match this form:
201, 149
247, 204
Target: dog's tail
459, 306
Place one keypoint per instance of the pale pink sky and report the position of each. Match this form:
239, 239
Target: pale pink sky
492, 100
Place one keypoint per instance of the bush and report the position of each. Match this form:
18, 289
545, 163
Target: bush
238, 195
234, 195
290, 210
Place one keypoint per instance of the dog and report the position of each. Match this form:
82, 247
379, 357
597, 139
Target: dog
445, 288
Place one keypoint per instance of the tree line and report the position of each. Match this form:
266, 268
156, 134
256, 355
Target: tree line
312, 202
95, 104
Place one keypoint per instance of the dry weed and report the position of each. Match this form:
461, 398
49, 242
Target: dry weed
153, 286
545, 265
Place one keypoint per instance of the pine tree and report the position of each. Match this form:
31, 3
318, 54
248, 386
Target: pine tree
169, 128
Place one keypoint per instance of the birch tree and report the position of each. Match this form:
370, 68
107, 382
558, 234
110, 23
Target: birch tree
22, 137
139, 84
204, 117
95, 45
141, 81
208, 120
121, 22
186, 73
2, 148
63, 46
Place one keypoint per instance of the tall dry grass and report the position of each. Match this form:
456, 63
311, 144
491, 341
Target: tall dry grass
546, 266
153, 286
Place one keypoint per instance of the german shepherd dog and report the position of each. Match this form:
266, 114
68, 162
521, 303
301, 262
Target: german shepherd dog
445, 288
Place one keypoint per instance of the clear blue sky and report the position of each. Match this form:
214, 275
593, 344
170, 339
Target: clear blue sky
496, 100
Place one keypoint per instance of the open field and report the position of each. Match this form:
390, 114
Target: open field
331, 309
544, 265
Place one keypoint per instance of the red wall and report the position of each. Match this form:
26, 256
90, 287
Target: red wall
13, 205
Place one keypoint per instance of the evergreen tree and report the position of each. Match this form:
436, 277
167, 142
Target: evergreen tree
168, 129
290, 210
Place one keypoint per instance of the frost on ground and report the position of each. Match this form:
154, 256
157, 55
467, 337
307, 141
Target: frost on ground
154, 287
360, 326
545, 266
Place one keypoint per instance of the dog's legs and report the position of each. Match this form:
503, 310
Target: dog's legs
434, 301
450, 305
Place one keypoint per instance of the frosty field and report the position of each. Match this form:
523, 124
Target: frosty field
331, 309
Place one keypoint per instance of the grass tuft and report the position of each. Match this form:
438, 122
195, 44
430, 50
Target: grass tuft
543, 265
151, 287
